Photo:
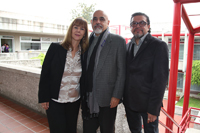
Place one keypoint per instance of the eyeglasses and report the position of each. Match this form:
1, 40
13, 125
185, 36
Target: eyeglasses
141, 23
96, 19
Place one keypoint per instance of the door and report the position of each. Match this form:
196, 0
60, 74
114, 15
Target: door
8, 40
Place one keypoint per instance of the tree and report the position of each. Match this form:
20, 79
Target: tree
82, 10
195, 72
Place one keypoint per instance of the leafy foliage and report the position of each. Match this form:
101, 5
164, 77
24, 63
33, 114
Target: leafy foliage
41, 56
196, 72
82, 10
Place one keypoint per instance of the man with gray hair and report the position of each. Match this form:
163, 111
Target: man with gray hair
103, 76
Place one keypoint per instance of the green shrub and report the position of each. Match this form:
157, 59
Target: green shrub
195, 72
41, 56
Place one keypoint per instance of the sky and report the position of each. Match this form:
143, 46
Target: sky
119, 12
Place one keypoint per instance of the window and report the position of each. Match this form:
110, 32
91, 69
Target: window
24, 38
46, 39
195, 88
60, 39
35, 38
181, 51
37, 43
5, 20
58, 26
7, 37
30, 43
196, 54
45, 46
180, 80
30, 46
34, 43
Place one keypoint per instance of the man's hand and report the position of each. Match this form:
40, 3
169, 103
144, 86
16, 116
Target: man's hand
45, 105
151, 118
114, 102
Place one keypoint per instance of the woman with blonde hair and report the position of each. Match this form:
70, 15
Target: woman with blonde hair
59, 81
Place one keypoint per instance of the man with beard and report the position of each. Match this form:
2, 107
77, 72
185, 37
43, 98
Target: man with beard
103, 76
146, 76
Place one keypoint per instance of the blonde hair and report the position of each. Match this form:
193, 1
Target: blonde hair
67, 43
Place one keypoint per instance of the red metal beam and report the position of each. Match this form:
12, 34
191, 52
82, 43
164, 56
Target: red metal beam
174, 63
188, 73
197, 30
120, 27
187, 20
170, 34
186, 1
194, 15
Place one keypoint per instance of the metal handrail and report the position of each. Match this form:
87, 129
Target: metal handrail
186, 119
165, 112
166, 126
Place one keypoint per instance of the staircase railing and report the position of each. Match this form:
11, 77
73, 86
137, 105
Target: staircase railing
184, 124
186, 120
165, 112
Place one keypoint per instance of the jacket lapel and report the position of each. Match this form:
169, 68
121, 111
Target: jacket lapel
129, 46
63, 55
130, 49
103, 54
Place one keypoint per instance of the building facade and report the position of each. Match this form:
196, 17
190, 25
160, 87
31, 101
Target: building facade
26, 33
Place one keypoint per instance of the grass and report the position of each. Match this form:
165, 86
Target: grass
193, 102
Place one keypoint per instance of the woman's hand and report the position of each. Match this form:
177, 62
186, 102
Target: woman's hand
45, 105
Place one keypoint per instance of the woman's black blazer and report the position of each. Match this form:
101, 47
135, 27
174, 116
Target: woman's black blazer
52, 72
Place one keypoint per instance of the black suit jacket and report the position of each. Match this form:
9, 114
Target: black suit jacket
146, 76
52, 72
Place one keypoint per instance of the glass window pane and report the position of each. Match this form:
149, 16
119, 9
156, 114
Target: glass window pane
181, 51
45, 46
169, 47
196, 55
26, 38
46, 39
195, 88
180, 80
54, 39
30, 46
35, 38
60, 39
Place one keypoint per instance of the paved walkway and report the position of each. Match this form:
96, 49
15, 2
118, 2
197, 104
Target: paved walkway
15, 118
18, 119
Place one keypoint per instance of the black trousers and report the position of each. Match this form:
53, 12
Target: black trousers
105, 120
135, 122
62, 117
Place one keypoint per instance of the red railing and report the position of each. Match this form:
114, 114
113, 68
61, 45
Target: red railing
184, 124
161, 123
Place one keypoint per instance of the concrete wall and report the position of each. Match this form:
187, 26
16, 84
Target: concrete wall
20, 84
36, 63
20, 55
